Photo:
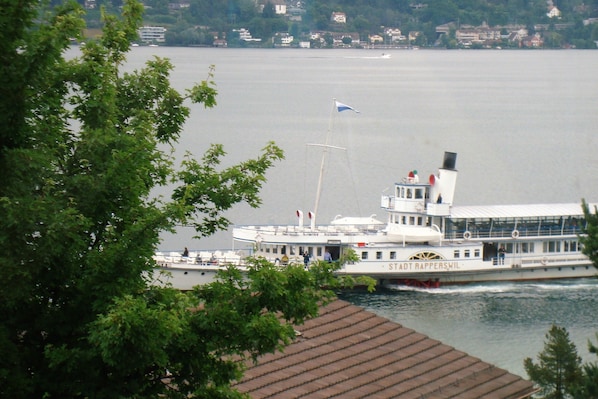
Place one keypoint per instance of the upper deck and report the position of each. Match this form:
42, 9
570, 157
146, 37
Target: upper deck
514, 221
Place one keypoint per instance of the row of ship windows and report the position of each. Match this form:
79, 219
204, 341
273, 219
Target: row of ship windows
523, 247
403, 192
547, 246
411, 220
393, 254
291, 250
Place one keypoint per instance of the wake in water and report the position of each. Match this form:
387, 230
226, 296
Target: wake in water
503, 287
384, 56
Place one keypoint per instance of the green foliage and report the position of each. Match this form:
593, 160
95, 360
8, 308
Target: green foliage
80, 155
207, 192
195, 341
589, 385
205, 93
558, 372
589, 240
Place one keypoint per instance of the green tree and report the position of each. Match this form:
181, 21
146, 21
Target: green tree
589, 240
269, 11
588, 388
558, 372
81, 152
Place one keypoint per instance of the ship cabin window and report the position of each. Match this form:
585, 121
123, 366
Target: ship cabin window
552, 246
571, 246
364, 255
527, 247
457, 254
393, 255
379, 255
419, 193
466, 253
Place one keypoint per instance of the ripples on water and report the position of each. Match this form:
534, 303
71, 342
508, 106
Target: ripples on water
501, 323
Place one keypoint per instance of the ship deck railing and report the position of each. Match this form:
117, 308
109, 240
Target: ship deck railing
203, 258
326, 230
547, 231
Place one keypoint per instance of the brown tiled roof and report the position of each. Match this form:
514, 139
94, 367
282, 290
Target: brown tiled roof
350, 353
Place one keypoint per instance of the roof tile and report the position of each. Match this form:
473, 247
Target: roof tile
347, 352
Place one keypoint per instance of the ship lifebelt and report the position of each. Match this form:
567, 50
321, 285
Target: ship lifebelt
515, 234
467, 235
544, 261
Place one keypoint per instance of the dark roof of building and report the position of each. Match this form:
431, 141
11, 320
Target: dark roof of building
347, 352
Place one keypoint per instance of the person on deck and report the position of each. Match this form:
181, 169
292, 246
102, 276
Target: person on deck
327, 257
306, 258
501, 254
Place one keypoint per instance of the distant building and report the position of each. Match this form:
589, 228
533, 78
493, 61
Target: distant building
245, 35
554, 12
283, 39
220, 43
295, 14
534, 41
280, 6
376, 39
418, 6
178, 6
152, 34
394, 34
339, 17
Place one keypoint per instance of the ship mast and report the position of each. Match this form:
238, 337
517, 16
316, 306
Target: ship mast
326, 147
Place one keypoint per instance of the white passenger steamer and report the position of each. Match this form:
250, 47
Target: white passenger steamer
425, 242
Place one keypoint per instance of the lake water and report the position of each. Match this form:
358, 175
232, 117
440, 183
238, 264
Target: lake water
501, 323
524, 125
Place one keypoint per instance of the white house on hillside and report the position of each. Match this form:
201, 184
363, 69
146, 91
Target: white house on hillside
339, 17
554, 12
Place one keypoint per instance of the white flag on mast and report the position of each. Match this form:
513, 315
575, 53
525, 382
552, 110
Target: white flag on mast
340, 107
